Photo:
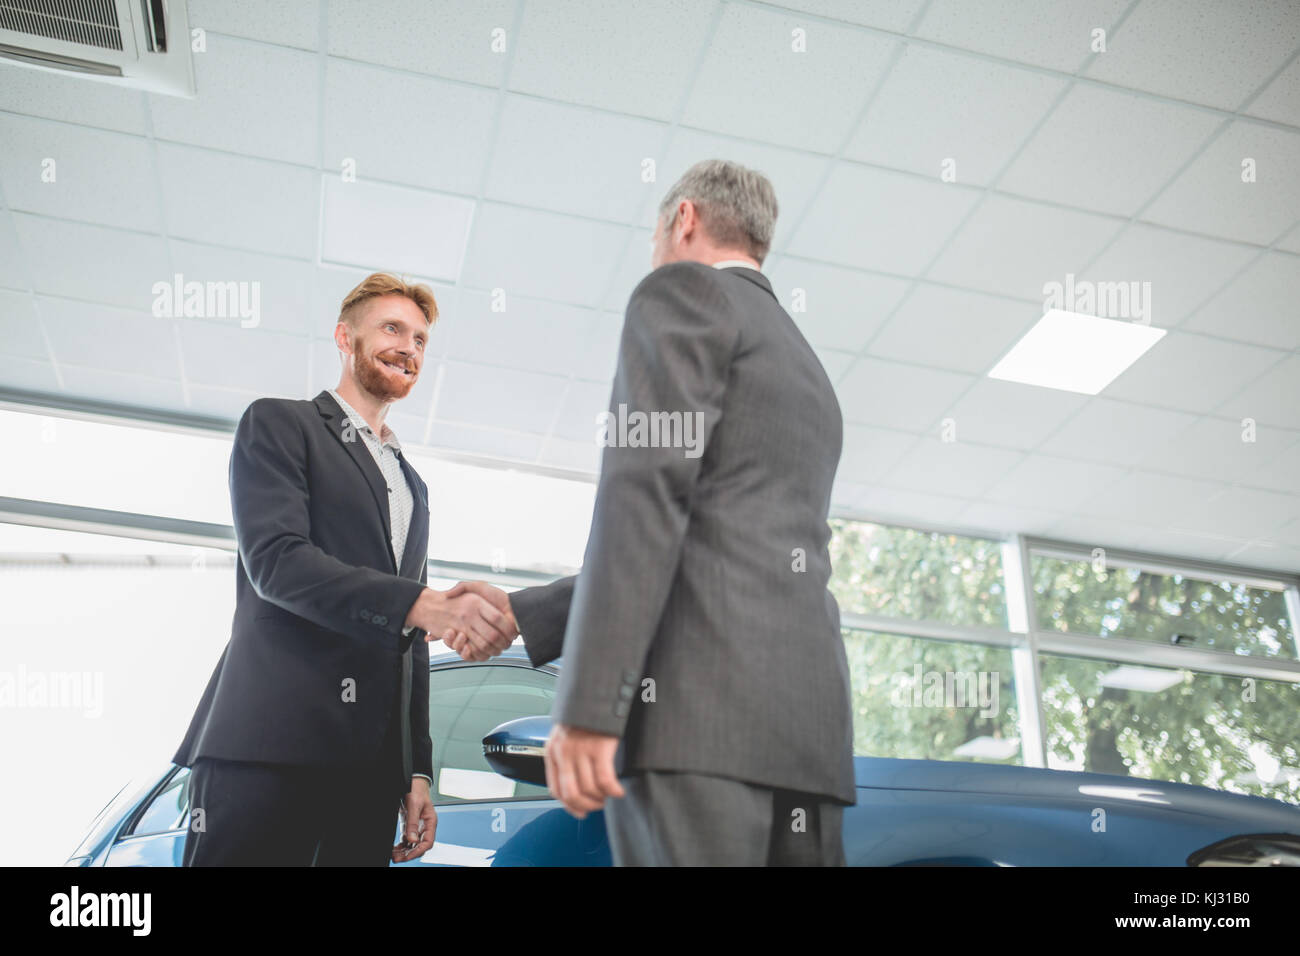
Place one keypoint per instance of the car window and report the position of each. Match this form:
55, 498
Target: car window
167, 810
468, 702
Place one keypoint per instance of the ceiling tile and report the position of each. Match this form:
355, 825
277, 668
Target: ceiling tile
98, 176
254, 360
1107, 151
1053, 33
893, 15
893, 505
976, 114
27, 374
12, 274
597, 355
999, 519
502, 398
954, 329
834, 363
400, 127
1218, 449
633, 265
505, 252
1209, 196
92, 262
581, 456
97, 384
283, 286
785, 97
1014, 247
905, 397
1117, 433
530, 333
1183, 270
582, 403
1153, 500
1191, 372
252, 98
1270, 557
286, 22
869, 453
1280, 101
227, 403
68, 97
1047, 483
494, 443
1273, 398
904, 220
394, 229
955, 468
593, 170
835, 308
132, 342
634, 58
1279, 473
442, 37
1010, 414
234, 201
1201, 51
1242, 513
22, 330
1257, 306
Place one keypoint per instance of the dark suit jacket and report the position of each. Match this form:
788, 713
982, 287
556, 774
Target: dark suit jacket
319, 604
708, 574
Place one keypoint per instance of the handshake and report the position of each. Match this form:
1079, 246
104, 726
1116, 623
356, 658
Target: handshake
473, 618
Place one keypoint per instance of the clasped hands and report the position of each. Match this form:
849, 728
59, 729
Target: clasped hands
473, 619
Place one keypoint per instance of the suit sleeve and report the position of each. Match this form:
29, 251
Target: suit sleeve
542, 614
268, 499
678, 341
421, 744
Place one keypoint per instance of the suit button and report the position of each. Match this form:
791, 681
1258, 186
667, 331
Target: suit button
365, 614
381, 620
630, 676
626, 692
621, 708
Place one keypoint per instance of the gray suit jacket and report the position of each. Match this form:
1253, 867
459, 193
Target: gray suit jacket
700, 629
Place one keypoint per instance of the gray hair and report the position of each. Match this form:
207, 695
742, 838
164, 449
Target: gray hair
737, 206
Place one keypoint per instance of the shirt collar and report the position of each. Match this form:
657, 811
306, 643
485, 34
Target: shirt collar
728, 263
360, 424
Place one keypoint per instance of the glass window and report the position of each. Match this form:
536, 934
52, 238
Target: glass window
466, 703
1162, 608
920, 575
167, 810
1231, 733
932, 700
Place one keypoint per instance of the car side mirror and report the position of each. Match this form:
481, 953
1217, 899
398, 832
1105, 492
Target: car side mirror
516, 749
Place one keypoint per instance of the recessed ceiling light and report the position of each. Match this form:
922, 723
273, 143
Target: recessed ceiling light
1075, 352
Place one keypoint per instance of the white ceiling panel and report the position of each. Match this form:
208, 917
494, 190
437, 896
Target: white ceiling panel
954, 329
222, 354
234, 201
594, 169
497, 397
1220, 449
283, 287
71, 99
898, 220
130, 342
253, 99
1014, 247
13, 274
394, 229
403, 128
1203, 51
633, 58
1045, 482
22, 330
533, 253
835, 363
1050, 33
529, 334
1242, 513
1210, 197
1272, 398
835, 308
583, 401
492, 442
1106, 150
441, 37
581, 456
1261, 305
28, 374
1191, 372
285, 22
954, 468
78, 173
870, 453
94, 263
907, 397
1282, 473
1280, 101
1010, 414
976, 113
892, 15
1118, 433
754, 51
130, 388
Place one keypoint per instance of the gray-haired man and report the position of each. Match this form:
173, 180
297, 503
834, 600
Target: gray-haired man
701, 645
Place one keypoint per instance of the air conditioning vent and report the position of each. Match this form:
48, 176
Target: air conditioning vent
140, 44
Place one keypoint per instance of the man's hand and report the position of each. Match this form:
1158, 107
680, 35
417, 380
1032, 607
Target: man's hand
459, 641
580, 768
419, 822
461, 611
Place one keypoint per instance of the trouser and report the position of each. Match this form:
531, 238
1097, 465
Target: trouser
691, 819
266, 814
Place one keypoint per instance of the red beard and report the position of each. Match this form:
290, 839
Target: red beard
379, 380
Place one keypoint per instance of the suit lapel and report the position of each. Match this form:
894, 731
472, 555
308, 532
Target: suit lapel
752, 275
338, 424
419, 531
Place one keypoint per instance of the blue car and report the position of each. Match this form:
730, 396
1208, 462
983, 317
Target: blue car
494, 808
